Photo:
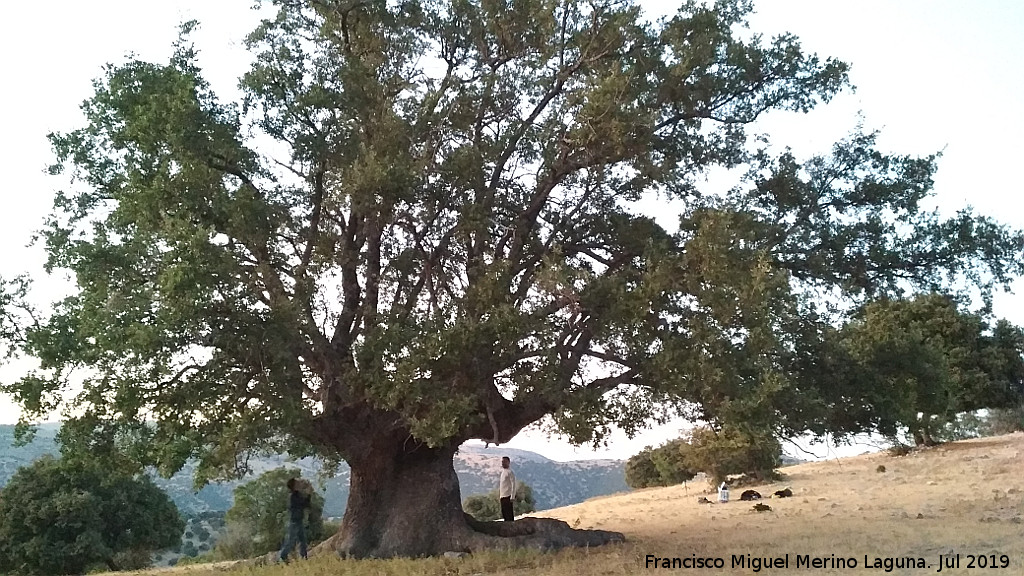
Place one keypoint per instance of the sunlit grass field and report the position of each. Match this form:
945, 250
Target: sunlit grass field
963, 498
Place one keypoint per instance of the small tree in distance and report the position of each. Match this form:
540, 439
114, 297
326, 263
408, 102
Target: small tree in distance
662, 466
485, 507
641, 472
731, 450
717, 453
257, 520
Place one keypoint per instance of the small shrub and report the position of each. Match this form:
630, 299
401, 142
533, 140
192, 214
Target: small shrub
486, 507
900, 449
665, 465
1004, 421
189, 549
237, 541
197, 559
133, 559
329, 529
718, 453
202, 534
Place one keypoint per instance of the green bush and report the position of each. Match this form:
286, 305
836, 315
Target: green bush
641, 472
205, 558
487, 507
716, 453
202, 534
133, 559
189, 549
66, 516
1004, 421
674, 462
662, 466
731, 450
329, 529
960, 427
237, 541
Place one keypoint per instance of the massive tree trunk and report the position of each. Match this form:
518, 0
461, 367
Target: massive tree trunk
406, 502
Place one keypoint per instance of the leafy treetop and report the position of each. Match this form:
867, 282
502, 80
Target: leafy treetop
419, 226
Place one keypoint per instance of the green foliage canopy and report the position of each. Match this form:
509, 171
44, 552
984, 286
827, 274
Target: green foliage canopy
662, 466
641, 471
717, 453
917, 363
733, 450
63, 516
439, 241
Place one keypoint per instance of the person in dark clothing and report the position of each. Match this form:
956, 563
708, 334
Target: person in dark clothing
297, 504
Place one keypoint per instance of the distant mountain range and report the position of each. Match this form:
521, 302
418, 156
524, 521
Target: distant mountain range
554, 484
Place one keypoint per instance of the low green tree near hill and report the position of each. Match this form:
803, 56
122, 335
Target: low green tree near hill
1008, 361
915, 364
673, 462
641, 471
64, 517
962, 427
189, 549
485, 507
665, 465
717, 453
733, 450
258, 519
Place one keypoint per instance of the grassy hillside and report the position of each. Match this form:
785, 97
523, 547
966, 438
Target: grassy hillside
964, 498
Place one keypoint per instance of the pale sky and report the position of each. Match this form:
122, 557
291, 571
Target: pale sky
930, 74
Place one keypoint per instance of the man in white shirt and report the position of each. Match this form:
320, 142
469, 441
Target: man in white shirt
506, 490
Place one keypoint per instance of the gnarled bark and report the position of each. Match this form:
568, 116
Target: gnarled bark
406, 502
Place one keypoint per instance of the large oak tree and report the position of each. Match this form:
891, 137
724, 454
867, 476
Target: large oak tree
420, 227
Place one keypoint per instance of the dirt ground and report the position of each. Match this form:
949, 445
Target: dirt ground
965, 497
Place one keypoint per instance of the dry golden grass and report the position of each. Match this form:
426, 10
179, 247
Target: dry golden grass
966, 498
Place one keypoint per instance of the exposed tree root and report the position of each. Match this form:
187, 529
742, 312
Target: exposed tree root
542, 534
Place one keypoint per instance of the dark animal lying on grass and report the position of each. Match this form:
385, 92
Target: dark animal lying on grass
762, 508
750, 495
783, 493
703, 500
